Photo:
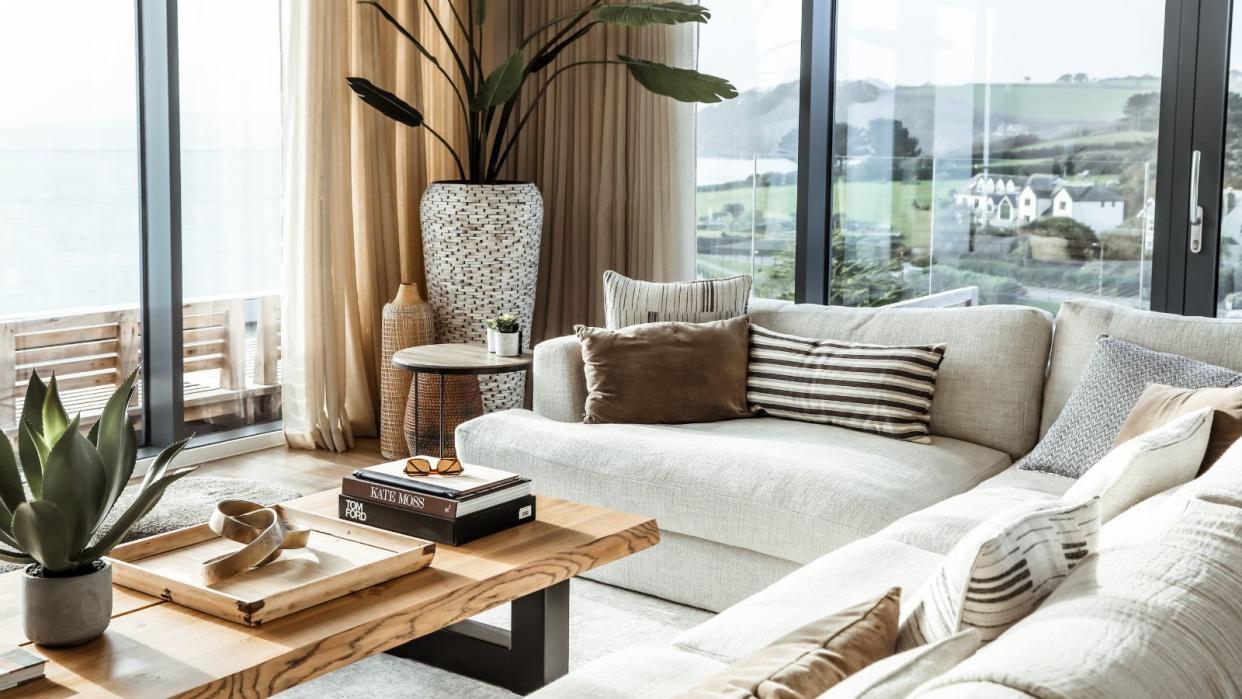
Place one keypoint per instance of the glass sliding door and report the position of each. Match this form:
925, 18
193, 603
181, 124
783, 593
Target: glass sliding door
70, 237
230, 204
747, 148
1229, 253
995, 148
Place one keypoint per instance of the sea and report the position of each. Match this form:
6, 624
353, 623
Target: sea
70, 230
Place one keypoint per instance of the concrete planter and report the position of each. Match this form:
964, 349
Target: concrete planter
66, 611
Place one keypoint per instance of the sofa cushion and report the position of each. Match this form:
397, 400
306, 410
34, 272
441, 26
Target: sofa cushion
1115, 378
653, 673
631, 301
990, 383
940, 527
844, 577
1080, 323
1149, 619
789, 489
1000, 572
897, 676
812, 658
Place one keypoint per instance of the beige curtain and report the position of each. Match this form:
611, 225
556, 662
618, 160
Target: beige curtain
614, 162
352, 182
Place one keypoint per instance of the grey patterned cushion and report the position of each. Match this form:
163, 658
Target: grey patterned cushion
631, 302
1115, 377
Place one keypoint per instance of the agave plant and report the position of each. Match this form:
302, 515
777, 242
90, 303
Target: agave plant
488, 102
72, 481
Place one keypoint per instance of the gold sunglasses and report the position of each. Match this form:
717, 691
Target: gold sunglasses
423, 466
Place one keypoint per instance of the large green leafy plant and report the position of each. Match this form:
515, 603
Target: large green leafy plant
72, 481
488, 101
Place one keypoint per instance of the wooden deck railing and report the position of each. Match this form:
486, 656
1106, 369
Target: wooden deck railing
230, 361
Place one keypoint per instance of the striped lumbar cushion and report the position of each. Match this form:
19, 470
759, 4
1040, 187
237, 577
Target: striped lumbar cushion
631, 302
886, 390
1000, 571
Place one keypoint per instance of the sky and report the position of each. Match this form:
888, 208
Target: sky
755, 43
70, 64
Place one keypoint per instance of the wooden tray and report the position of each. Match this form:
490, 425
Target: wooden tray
341, 557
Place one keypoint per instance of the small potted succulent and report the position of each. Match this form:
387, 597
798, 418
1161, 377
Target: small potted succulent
54, 521
508, 336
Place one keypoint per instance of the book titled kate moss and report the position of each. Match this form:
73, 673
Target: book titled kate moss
399, 492
452, 532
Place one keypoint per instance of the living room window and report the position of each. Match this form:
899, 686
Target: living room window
149, 193
748, 147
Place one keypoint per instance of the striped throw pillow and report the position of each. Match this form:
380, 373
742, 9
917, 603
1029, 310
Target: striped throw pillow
873, 388
1001, 570
631, 302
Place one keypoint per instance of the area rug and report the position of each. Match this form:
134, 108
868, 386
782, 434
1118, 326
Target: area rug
602, 619
190, 501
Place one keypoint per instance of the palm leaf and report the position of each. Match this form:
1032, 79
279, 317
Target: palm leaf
501, 85
138, 509
33, 453
75, 481
115, 442
682, 84
11, 492
480, 11
45, 534
385, 102
648, 13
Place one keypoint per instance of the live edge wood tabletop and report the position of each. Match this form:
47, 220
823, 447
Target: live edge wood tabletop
156, 648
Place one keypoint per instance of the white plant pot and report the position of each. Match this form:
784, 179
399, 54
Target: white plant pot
492, 333
508, 344
481, 247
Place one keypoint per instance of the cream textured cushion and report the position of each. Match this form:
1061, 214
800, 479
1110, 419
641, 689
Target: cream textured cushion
1147, 619
1148, 464
1001, 571
631, 302
792, 490
897, 676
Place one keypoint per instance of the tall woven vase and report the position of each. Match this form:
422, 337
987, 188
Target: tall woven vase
408, 321
481, 249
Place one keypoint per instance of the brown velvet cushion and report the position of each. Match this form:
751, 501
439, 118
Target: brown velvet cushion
667, 373
811, 660
1161, 404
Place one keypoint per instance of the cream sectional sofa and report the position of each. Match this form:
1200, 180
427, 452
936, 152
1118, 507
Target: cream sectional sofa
778, 523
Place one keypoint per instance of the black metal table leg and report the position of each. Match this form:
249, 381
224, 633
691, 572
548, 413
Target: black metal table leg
534, 653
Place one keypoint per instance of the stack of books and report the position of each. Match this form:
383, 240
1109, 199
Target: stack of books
451, 510
19, 666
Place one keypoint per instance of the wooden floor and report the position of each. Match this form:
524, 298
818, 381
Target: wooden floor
303, 470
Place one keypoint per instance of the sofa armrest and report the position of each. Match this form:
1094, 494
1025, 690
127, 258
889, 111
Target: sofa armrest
560, 380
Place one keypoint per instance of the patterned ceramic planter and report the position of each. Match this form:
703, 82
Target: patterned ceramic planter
481, 249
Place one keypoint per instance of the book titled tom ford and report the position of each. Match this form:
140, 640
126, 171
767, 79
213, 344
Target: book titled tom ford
453, 532
434, 505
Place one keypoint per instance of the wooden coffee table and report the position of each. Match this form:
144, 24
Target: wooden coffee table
156, 648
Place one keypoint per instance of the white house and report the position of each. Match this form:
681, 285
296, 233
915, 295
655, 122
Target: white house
1099, 208
1035, 200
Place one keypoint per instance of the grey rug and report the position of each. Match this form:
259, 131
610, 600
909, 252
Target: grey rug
190, 501
602, 619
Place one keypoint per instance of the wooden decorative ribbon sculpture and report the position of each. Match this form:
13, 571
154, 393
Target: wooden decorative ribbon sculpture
259, 528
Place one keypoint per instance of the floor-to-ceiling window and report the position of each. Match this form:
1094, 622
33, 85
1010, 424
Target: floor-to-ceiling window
229, 65
140, 209
746, 199
70, 280
995, 146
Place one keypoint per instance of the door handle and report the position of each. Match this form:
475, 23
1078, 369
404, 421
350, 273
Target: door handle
1196, 211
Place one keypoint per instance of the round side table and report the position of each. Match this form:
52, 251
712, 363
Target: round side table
451, 360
